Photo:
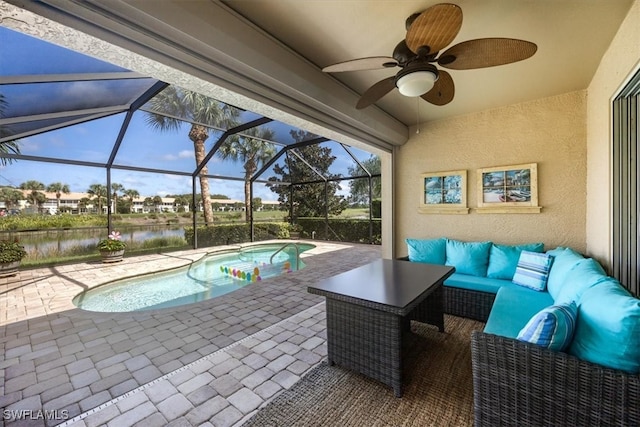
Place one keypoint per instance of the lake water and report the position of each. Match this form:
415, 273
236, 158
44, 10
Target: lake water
50, 241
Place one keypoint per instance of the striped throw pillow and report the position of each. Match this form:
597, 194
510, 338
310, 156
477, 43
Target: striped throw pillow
552, 327
532, 270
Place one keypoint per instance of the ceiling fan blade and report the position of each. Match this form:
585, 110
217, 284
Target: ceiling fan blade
371, 63
375, 92
436, 28
443, 90
482, 53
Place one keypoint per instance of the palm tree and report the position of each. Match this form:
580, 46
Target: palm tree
37, 198
32, 185
99, 192
83, 203
11, 197
180, 202
115, 187
197, 108
58, 188
131, 194
157, 201
253, 151
7, 147
147, 202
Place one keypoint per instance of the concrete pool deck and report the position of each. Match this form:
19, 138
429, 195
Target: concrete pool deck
211, 363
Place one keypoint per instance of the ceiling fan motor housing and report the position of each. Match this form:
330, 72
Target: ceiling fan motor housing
416, 79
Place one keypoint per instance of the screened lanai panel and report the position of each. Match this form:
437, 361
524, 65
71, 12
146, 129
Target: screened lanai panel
148, 146
25, 55
32, 99
139, 192
282, 133
342, 165
90, 141
43, 177
267, 196
178, 103
17, 130
370, 161
241, 156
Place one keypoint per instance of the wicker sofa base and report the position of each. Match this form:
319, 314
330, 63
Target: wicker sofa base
474, 305
520, 384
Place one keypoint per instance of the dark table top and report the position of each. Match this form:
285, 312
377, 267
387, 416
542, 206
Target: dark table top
389, 282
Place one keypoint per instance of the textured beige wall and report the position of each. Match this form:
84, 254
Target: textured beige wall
550, 132
618, 64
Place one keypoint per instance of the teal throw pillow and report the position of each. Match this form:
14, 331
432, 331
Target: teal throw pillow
608, 327
503, 259
532, 270
431, 251
564, 259
552, 327
469, 258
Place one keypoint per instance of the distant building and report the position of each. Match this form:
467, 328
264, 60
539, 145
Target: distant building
78, 203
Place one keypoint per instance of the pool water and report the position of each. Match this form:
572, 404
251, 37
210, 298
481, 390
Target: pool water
213, 275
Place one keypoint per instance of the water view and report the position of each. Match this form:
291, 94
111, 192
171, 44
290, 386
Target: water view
52, 243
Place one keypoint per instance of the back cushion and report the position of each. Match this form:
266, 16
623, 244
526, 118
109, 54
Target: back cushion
583, 275
430, 251
608, 327
564, 259
468, 257
503, 259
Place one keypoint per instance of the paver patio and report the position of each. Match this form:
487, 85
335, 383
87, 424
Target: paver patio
210, 363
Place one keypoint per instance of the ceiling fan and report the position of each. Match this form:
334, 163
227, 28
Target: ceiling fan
428, 33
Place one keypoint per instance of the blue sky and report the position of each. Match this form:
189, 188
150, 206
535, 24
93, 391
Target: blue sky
93, 141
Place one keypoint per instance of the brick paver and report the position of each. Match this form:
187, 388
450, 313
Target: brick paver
210, 363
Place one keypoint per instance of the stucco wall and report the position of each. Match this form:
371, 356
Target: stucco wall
550, 132
617, 66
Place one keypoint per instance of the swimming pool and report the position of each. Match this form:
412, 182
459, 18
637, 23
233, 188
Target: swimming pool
213, 275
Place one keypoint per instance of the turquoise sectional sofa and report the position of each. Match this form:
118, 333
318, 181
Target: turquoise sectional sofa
561, 343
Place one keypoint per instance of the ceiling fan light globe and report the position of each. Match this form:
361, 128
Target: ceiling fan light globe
417, 83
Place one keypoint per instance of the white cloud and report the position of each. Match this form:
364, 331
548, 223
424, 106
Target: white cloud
28, 145
186, 154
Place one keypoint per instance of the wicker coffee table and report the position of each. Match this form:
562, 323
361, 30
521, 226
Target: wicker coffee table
369, 310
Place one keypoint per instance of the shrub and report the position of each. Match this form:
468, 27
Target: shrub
342, 230
226, 234
11, 251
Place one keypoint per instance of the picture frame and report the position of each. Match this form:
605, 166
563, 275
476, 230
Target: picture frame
444, 192
508, 189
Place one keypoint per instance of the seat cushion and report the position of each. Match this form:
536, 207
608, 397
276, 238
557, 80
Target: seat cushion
532, 270
564, 259
475, 283
431, 251
552, 327
512, 309
470, 258
608, 327
503, 259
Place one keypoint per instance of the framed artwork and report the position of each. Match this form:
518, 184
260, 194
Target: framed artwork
508, 189
444, 192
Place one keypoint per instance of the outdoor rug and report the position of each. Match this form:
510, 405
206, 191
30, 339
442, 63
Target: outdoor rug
439, 391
